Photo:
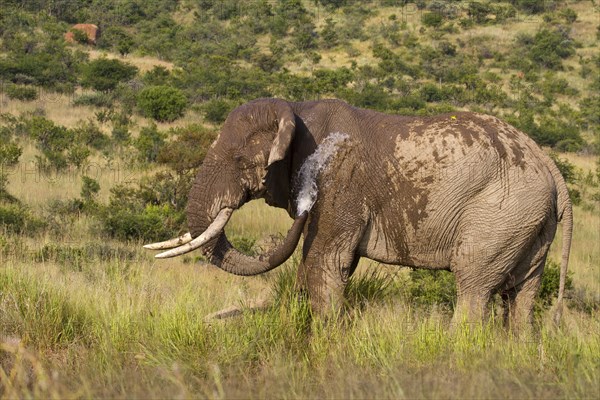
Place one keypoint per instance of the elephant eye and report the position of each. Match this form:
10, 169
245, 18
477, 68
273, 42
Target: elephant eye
242, 163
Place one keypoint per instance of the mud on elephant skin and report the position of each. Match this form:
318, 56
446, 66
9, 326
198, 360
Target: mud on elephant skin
464, 192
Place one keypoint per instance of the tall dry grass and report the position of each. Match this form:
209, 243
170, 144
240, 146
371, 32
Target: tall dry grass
84, 316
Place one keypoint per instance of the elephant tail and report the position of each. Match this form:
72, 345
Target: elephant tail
567, 220
564, 214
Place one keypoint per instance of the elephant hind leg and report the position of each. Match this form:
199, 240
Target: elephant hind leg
519, 302
471, 307
480, 269
521, 287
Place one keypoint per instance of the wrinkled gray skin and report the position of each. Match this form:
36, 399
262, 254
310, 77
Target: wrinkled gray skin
463, 192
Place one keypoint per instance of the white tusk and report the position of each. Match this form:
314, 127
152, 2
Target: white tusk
169, 244
210, 233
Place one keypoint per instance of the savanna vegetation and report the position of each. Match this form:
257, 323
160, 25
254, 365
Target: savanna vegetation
99, 146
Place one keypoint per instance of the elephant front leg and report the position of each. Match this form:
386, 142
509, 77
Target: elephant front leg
327, 265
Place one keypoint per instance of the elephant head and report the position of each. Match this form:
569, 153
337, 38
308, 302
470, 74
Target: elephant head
248, 160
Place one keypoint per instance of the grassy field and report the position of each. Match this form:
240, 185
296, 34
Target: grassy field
89, 317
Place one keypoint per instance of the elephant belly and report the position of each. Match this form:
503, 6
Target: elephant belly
392, 245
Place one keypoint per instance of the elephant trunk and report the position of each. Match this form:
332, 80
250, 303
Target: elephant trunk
216, 193
226, 257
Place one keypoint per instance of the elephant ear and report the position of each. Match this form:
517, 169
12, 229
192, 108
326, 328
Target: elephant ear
285, 132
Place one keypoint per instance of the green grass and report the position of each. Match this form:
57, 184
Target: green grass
84, 316
126, 326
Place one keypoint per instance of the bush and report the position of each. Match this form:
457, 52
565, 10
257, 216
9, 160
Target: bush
105, 74
432, 19
89, 134
550, 283
78, 257
9, 156
329, 34
217, 110
162, 103
549, 47
157, 76
94, 100
130, 216
80, 36
479, 11
531, 6
18, 92
89, 189
52, 140
370, 96
330, 81
16, 218
186, 153
375, 286
149, 143
244, 245
590, 110
429, 287
116, 38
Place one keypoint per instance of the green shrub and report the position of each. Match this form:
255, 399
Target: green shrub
305, 37
149, 143
566, 168
48, 64
575, 196
16, 218
533, 6
105, 74
157, 76
18, 92
94, 100
569, 15
13, 218
408, 104
89, 134
166, 187
369, 96
374, 286
330, 81
267, 62
162, 103
77, 155
549, 47
590, 110
80, 36
479, 11
329, 34
427, 287
116, 38
186, 152
432, 19
9, 157
52, 140
127, 217
89, 189
217, 110
550, 283
121, 122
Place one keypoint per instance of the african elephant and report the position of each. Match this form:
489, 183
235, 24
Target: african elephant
463, 192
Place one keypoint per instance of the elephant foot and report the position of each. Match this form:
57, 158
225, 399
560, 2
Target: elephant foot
237, 310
